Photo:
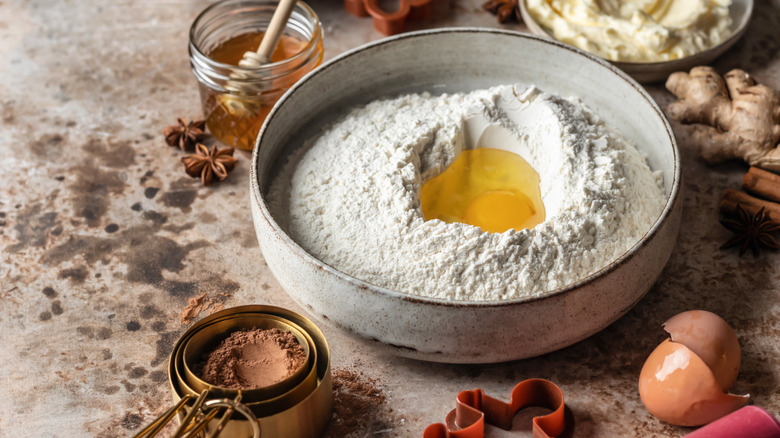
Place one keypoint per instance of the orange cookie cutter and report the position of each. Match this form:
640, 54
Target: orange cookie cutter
390, 23
474, 408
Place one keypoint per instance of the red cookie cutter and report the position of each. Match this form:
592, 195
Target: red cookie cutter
474, 408
390, 23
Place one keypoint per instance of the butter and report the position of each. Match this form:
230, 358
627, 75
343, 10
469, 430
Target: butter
636, 30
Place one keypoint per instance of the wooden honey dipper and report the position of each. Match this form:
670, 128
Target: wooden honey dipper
256, 59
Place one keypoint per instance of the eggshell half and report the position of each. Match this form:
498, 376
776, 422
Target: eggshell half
678, 387
712, 339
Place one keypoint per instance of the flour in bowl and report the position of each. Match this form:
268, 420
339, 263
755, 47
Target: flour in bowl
352, 197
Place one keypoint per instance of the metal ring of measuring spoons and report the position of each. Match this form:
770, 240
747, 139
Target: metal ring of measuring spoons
191, 426
238, 407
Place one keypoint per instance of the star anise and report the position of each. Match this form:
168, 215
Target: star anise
751, 231
209, 164
504, 10
184, 135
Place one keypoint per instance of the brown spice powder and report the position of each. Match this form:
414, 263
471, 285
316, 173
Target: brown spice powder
194, 306
200, 303
359, 407
250, 359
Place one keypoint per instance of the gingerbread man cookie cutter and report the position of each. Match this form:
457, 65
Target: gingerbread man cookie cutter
390, 23
475, 408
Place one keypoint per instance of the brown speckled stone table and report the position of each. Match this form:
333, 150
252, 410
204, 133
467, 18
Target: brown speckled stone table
103, 238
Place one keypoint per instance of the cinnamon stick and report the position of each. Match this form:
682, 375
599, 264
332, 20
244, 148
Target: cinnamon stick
728, 204
762, 183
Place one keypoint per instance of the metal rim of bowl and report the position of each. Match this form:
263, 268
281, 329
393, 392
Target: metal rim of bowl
264, 407
197, 383
671, 201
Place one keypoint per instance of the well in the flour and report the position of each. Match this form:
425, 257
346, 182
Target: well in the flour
493, 189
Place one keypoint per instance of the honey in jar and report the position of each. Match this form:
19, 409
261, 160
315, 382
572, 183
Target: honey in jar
236, 100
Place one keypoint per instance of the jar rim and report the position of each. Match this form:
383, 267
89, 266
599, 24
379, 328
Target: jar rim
304, 52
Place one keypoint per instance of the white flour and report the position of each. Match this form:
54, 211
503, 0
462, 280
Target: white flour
352, 199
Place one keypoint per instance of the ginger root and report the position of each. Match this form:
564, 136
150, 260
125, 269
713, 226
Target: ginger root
733, 119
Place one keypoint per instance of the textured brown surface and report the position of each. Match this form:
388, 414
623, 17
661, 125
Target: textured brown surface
104, 239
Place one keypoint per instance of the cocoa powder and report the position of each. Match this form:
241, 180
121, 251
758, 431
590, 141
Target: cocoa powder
200, 303
250, 359
359, 407
194, 306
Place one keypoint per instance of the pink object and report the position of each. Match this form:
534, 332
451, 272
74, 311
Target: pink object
748, 422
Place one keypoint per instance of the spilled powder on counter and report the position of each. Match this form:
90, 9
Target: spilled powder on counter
256, 358
200, 303
194, 306
359, 407
351, 197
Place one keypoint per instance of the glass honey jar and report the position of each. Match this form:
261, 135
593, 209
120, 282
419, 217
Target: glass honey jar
237, 98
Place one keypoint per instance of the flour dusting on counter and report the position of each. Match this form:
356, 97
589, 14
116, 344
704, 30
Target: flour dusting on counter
352, 197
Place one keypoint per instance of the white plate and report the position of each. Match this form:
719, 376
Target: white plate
741, 11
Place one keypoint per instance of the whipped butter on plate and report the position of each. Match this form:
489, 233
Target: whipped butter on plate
636, 30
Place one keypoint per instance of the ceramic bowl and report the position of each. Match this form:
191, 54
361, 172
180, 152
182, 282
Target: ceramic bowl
647, 72
449, 60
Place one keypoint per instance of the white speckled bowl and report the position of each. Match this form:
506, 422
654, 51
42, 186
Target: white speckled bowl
457, 60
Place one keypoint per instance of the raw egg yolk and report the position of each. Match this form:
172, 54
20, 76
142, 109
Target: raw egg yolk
492, 189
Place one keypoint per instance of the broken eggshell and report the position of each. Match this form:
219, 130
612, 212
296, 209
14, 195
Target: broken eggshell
685, 379
712, 339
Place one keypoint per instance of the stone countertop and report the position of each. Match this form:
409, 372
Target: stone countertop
104, 239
